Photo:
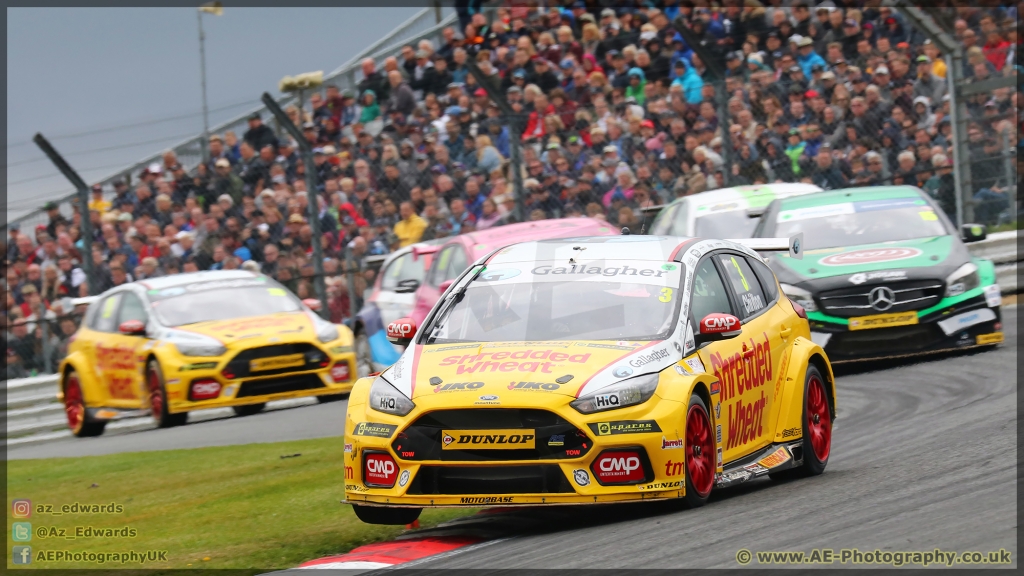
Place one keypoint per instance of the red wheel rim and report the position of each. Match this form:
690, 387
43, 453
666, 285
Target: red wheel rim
156, 397
74, 407
700, 451
819, 422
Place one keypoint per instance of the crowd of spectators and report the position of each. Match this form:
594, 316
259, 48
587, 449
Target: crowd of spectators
618, 112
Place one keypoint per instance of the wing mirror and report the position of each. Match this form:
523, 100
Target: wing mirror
407, 286
312, 303
401, 331
973, 232
716, 327
132, 328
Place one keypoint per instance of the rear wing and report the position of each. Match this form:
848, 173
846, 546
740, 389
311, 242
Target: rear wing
794, 245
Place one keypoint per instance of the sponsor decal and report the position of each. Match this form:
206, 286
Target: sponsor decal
862, 277
534, 386
743, 371
777, 458
993, 338
622, 371
718, 410
755, 469
782, 373
667, 444
745, 421
751, 302
718, 433
486, 500
605, 346
199, 366
597, 271
581, 477
374, 429
401, 329
625, 427
883, 321
529, 360
869, 256
679, 349
966, 320
642, 359
618, 467
716, 387
719, 455
556, 440
356, 488
695, 365
498, 275
660, 486
350, 473
488, 397
488, 400
277, 362
717, 323
682, 371
734, 476
673, 468
348, 448
509, 439
993, 297
450, 348
791, 433
458, 387
404, 478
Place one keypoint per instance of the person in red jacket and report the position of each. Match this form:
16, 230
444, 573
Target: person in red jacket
995, 49
535, 123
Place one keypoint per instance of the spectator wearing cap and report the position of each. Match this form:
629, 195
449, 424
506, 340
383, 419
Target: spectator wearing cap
927, 83
97, 202
543, 76
259, 135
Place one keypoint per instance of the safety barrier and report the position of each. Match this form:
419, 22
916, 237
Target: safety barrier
35, 415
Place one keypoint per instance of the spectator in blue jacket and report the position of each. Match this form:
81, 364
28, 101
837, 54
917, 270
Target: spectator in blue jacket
808, 57
687, 77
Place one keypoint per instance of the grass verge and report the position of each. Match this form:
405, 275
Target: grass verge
259, 506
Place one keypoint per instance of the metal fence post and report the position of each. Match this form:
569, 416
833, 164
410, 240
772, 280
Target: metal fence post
1008, 169
44, 334
961, 153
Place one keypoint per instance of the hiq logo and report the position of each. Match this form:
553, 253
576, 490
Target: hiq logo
21, 508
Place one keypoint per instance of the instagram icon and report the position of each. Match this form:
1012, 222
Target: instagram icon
21, 508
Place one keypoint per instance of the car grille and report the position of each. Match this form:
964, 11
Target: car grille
856, 301
239, 365
885, 342
278, 385
530, 479
422, 439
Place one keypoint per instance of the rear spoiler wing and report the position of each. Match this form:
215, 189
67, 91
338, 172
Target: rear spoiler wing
794, 245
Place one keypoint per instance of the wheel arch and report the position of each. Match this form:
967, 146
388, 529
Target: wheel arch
790, 385
74, 363
821, 363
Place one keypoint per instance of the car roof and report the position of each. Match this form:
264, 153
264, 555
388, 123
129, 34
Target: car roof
850, 195
192, 277
746, 196
484, 241
623, 247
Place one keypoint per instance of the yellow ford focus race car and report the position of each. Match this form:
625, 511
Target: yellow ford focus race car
201, 340
593, 370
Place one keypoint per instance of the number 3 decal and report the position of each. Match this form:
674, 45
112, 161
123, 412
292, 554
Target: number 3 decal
666, 295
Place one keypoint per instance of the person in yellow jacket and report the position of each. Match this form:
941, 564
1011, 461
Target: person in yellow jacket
938, 63
97, 202
410, 228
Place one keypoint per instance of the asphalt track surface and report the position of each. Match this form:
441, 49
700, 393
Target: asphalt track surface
924, 456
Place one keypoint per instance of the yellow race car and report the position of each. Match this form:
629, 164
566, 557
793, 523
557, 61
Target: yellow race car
201, 340
593, 370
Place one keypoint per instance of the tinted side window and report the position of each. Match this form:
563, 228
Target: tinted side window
402, 268
458, 264
744, 283
131, 309
106, 317
767, 277
709, 294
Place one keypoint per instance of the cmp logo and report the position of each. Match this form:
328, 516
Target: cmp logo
871, 256
498, 275
581, 477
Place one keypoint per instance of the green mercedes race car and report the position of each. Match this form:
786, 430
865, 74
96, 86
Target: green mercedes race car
884, 273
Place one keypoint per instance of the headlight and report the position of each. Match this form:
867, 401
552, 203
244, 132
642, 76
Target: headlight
200, 349
965, 278
326, 332
386, 398
800, 296
626, 393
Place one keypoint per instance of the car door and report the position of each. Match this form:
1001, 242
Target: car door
739, 363
116, 365
133, 308
760, 347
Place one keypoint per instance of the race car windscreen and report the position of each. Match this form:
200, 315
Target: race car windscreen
220, 300
731, 224
598, 300
862, 222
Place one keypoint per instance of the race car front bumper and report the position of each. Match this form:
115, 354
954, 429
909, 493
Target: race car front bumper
631, 454
957, 325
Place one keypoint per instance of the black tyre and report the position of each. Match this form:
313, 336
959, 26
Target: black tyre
700, 462
74, 409
249, 409
158, 399
817, 424
389, 516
